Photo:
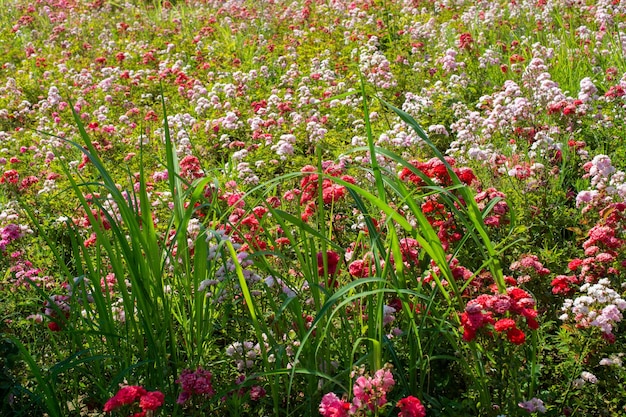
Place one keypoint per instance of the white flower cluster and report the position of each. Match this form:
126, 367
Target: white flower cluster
608, 184
585, 377
244, 354
613, 360
601, 307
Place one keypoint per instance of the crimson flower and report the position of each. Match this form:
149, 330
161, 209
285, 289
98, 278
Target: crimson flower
332, 260
411, 407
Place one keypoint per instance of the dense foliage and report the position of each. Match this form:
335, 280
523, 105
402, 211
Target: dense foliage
312, 207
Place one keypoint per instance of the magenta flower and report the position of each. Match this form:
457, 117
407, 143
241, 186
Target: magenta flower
125, 396
332, 406
194, 383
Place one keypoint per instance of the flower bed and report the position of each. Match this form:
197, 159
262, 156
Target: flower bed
312, 208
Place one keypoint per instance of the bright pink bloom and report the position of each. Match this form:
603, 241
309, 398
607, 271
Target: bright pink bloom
371, 392
125, 396
332, 406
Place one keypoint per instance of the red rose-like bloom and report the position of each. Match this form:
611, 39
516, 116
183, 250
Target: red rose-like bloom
54, 326
504, 324
411, 407
332, 260
516, 336
125, 396
151, 400
359, 269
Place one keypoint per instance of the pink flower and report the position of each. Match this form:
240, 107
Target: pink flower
257, 392
533, 405
411, 407
371, 392
332, 406
359, 269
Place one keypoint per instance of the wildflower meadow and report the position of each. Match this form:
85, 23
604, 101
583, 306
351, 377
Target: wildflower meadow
312, 208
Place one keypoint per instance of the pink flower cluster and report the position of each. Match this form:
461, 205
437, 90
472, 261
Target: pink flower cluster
370, 395
499, 312
530, 267
497, 216
8, 234
608, 184
194, 383
129, 395
602, 251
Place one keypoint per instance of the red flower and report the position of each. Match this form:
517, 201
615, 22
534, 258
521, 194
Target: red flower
332, 260
561, 284
54, 326
151, 400
359, 269
465, 41
125, 396
504, 324
516, 336
411, 407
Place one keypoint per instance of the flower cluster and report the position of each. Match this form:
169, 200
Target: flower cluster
332, 192
608, 184
370, 392
530, 267
128, 396
499, 312
601, 307
327, 265
194, 384
602, 249
498, 214
8, 234
436, 170
534, 405
370, 396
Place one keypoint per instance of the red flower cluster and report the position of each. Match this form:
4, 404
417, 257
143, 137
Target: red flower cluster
11, 177
127, 396
465, 40
436, 170
499, 311
602, 247
331, 191
190, 168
